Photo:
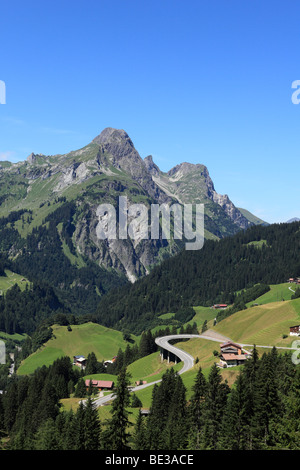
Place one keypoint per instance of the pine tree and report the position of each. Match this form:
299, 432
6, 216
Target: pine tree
267, 402
46, 437
64, 424
196, 409
155, 424
285, 430
91, 364
92, 428
144, 348
139, 435
215, 403
161, 423
248, 387
80, 391
176, 429
78, 426
232, 427
116, 436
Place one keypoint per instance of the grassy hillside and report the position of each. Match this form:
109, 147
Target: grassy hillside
276, 293
262, 325
11, 278
82, 340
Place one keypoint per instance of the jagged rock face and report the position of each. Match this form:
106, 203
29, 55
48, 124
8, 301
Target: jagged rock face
230, 209
193, 184
151, 167
124, 156
105, 169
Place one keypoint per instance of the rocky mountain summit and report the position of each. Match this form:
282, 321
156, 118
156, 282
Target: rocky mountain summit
101, 172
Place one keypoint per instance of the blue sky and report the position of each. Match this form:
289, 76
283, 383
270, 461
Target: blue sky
200, 81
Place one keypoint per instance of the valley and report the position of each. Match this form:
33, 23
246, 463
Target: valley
82, 317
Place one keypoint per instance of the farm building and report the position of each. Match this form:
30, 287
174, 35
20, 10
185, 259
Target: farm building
295, 330
232, 354
79, 361
294, 280
220, 306
99, 384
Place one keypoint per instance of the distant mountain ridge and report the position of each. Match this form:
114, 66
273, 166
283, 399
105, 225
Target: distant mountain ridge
103, 170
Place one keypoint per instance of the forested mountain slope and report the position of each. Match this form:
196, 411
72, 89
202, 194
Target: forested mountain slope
267, 255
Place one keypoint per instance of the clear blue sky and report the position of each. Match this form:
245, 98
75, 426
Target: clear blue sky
200, 81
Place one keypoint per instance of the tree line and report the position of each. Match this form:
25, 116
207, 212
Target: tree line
261, 411
211, 275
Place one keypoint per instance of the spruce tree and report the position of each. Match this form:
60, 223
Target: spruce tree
196, 409
116, 436
176, 429
215, 403
267, 402
78, 425
80, 391
231, 435
46, 437
140, 440
92, 428
91, 364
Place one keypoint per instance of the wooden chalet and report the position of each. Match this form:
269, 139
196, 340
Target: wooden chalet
79, 361
293, 280
295, 330
99, 384
232, 355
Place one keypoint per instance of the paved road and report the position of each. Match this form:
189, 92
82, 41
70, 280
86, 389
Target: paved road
187, 359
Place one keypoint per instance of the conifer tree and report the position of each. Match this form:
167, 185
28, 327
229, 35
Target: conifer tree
91, 364
232, 432
92, 428
215, 403
80, 391
196, 409
267, 402
116, 436
64, 424
78, 426
285, 430
46, 437
140, 440
176, 429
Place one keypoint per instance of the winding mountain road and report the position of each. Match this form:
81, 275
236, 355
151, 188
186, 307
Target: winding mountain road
187, 359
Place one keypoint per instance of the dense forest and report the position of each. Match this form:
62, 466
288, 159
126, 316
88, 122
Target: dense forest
248, 261
259, 255
260, 412
40, 258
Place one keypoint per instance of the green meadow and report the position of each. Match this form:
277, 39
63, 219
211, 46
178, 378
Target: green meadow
82, 340
277, 292
265, 324
11, 278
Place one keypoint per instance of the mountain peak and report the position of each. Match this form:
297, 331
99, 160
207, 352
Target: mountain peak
185, 168
109, 134
150, 165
